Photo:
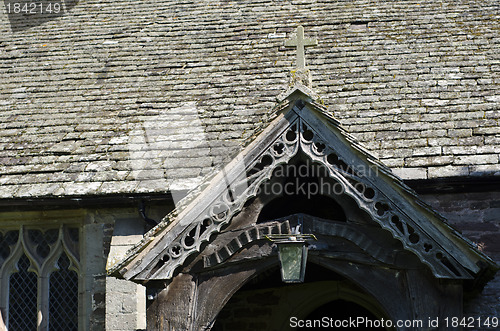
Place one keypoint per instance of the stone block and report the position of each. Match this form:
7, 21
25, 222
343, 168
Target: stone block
428, 161
487, 130
393, 153
120, 286
485, 170
125, 305
393, 162
427, 151
457, 150
492, 140
410, 173
434, 102
476, 159
460, 133
121, 322
447, 171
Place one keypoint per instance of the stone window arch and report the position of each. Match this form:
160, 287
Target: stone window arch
39, 278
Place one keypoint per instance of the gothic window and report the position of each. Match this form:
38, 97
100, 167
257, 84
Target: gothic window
39, 279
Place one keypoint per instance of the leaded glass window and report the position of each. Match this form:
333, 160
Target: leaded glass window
23, 291
39, 278
63, 297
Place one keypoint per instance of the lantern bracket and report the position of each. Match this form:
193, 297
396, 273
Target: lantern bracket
290, 237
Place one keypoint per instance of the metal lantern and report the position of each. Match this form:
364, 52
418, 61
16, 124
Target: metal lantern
293, 258
292, 252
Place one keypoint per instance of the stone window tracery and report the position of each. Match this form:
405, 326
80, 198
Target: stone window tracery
39, 278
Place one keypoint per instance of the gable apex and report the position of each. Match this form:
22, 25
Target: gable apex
299, 91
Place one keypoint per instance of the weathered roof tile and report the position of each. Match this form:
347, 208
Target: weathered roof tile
172, 89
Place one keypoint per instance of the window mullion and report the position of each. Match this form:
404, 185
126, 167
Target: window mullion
43, 303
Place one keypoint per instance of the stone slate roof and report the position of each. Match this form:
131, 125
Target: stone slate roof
146, 96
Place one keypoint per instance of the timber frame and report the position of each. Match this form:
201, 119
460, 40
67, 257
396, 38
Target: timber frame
213, 243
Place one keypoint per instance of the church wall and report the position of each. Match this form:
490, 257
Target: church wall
477, 216
125, 300
95, 286
117, 305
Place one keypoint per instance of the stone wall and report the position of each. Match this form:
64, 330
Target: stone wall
477, 216
125, 300
125, 305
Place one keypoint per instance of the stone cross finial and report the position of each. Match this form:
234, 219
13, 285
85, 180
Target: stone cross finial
300, 42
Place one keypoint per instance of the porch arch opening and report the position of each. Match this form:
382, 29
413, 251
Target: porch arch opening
265, 303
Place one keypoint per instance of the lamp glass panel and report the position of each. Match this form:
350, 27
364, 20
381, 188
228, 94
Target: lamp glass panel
293, 257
